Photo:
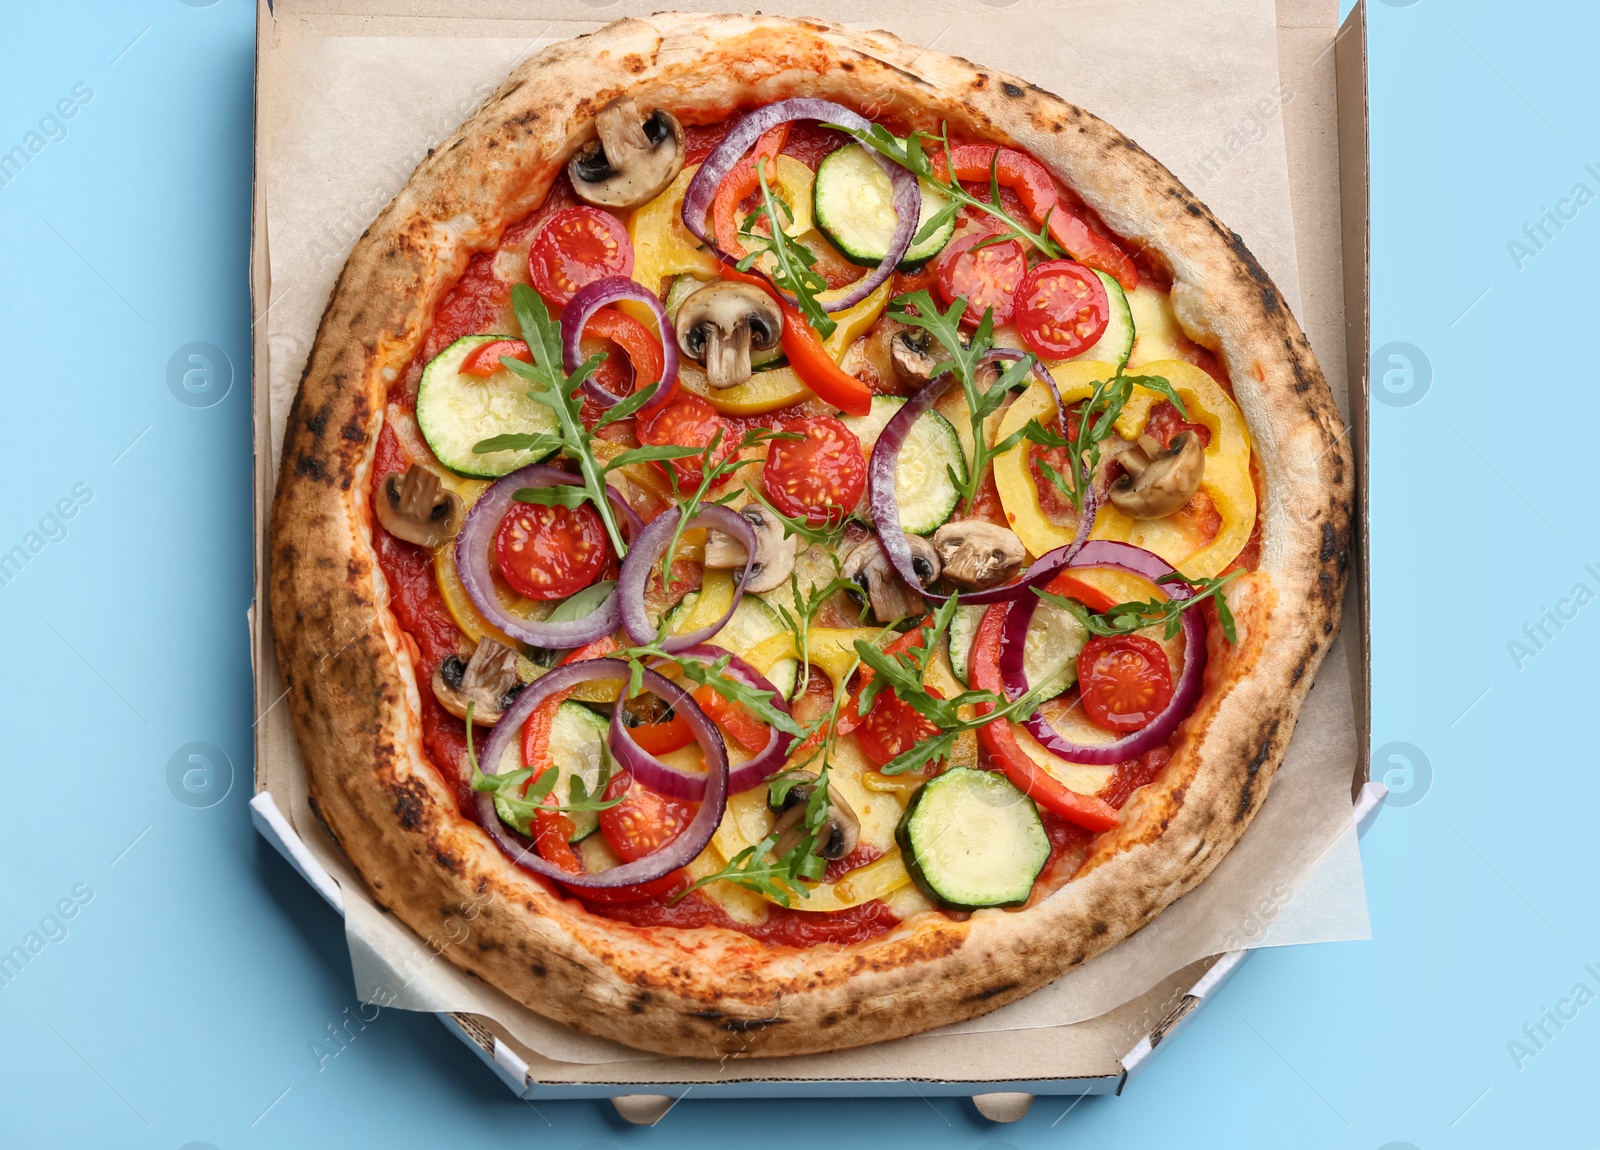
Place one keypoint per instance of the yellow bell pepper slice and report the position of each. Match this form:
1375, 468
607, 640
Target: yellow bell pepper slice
1227, 475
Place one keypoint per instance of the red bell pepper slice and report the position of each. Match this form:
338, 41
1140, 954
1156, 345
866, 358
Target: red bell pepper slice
1031, 181
1000, 741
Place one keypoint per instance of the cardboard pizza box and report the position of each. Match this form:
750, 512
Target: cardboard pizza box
1321, 66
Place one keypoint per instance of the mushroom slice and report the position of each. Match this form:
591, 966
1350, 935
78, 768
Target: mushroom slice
720, 324
634, 159
775, 550
889, 595
487, 679
1159, 480
836, 838
415, 507
912, 352
975, 554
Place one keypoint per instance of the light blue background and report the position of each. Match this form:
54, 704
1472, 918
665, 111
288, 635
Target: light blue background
186, 994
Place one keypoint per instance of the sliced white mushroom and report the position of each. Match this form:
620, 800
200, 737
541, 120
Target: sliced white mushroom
720, 324
775, 550
634, 159
887, 594
976, 554
836, 837
1159, 480
415, 507
487, 680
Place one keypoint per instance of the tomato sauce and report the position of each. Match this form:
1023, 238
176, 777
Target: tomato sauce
417, 604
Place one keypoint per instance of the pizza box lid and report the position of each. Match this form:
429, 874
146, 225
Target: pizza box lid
1324, 121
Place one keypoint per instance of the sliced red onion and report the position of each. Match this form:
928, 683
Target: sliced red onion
667, 779
591, 298
682, 850
647, 549
476, 542
1104, 553
725, 156
885, 506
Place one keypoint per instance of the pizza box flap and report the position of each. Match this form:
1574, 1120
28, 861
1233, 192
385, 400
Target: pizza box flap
1305, 256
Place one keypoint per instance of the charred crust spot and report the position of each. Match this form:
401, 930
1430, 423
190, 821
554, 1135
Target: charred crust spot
749, 1025
989, 992
1327, 628
511, 91
708, 1015
318, 423
846, 66
831, 1018
1099, 928
1015, 93
980, 81
1194, 209
353, 432
410, 804
1330, 542
635, 63
309, 467
1252, 769
525, 119
1299, 673
539, 970
448, 861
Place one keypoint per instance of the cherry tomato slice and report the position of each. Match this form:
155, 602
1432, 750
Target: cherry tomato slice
1125, 681
484, 360
985, 277
644, 821
891, 728
819, 478
550, 552
574, 247
688, 421
1061, 309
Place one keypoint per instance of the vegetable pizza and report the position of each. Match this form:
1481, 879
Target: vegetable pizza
798, 541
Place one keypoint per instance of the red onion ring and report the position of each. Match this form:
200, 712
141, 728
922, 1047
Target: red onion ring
1135, 561
885, 506
647, 549
667, 779
742, 137
681, 851
591, 298
476, 541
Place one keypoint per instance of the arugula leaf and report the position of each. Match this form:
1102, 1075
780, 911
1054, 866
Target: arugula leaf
563, 495
1125, 618
651, 453
556, 389
627, 406
793, 264
911, 154
918, 309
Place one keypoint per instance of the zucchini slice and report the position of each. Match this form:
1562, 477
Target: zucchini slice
577, 748
1116, 344
963, 629
922, 484
1050, 652
971, 839
854, 208
456, 411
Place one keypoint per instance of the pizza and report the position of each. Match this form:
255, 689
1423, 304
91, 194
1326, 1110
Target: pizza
787, 540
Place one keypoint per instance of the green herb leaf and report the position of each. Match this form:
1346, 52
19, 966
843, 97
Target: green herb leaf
562, 495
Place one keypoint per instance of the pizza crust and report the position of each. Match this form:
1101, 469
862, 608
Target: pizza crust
353, 689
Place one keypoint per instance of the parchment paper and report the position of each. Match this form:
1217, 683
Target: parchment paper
1196, 84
